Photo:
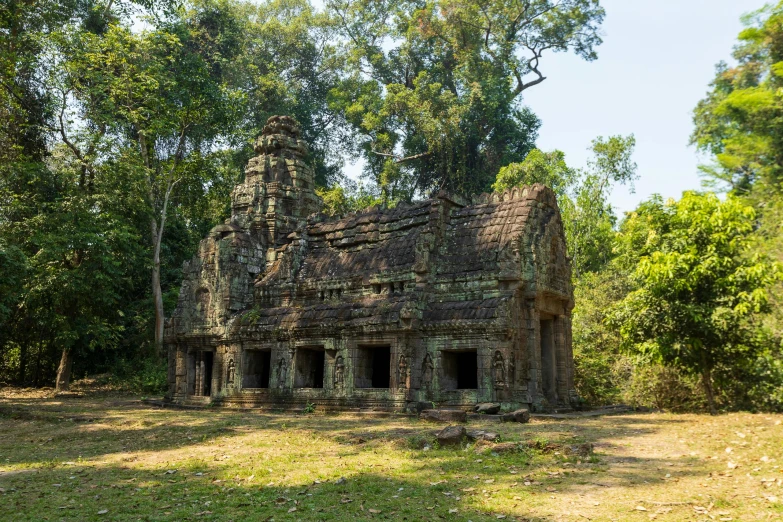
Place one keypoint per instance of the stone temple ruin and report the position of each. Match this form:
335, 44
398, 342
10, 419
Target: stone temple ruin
441, 301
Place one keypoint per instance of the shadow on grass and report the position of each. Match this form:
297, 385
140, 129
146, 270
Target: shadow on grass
54, 451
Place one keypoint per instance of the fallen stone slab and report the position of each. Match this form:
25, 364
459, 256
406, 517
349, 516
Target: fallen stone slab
579, 450
487, 436
504, 447
489, 408
451, 435
444, 416
522, 416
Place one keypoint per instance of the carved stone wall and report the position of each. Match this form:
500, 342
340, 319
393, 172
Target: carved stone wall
442, 301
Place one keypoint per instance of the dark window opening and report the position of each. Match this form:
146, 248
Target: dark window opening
376, 289
373, 367
309, 368
460, 370
391, 288
257, 365
322, 295
201, 382
548, 361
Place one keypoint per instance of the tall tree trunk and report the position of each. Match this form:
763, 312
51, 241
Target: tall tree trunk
157, 293
706, 380
64, 371
23, 356
38, 356
156, 230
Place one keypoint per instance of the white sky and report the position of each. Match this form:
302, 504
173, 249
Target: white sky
655, 64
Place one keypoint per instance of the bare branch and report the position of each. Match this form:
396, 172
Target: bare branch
397, 159
86, 166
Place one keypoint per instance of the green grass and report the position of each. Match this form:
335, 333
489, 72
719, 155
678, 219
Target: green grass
116, 459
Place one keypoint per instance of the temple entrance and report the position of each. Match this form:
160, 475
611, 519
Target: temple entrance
256, 368
201, 371
460, 370
373, 367
548, 361
309, 368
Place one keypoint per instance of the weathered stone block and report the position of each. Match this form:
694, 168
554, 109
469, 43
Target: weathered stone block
521, 415
490, 408
486, 436
444, 416
451, 435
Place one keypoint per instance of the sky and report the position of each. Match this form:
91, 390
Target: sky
656, 63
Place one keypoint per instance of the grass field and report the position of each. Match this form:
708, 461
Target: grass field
113, 458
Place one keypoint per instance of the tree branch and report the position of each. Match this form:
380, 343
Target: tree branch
398, 159
86, 167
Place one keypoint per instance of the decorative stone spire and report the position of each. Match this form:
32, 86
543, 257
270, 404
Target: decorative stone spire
277, 194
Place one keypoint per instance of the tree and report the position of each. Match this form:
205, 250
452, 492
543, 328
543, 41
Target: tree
738, 123
434, 90
697, 292
144, 114
548, 168
289, 63
156, 96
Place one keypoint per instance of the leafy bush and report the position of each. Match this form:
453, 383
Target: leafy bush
660, 387
145, 376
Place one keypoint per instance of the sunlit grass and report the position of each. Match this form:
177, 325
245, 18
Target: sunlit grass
115, 459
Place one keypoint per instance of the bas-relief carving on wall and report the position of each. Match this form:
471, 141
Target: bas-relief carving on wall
339, 372
499, 370
403, 372
427, 371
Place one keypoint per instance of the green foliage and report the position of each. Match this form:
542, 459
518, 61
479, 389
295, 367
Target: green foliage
339, 201
599, 361
125, 117
147, 375
434, 88
697, 293
655, 386
548, 168
737, 123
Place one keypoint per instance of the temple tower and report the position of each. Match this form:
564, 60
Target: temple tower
278, 192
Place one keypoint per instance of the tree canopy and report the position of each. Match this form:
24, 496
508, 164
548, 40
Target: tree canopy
738, 122
434, 87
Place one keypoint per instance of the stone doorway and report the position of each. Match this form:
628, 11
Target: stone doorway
309, 367
548, 360
373, 367
460, 370
201, 372
257, 366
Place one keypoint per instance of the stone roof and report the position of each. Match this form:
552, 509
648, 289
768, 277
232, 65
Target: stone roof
366, 243
384, 240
